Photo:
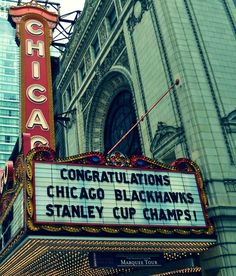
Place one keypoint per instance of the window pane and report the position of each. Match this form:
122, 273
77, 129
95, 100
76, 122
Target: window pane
82, 71
112, 18
120, 118
96, 47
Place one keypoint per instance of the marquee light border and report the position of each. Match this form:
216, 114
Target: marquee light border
117, 160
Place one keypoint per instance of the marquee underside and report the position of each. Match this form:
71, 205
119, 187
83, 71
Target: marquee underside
59, 256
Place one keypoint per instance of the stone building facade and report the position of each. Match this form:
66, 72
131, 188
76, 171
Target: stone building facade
122, 57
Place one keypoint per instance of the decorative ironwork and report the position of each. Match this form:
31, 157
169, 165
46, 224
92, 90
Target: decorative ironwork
118, 159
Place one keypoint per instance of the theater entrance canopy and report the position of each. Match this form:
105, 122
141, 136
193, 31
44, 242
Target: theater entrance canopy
58, 214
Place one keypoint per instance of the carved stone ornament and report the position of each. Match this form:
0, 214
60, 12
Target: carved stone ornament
229, 122
139, 7
102, 69
166, 137
98, 109
124, 60
103, 33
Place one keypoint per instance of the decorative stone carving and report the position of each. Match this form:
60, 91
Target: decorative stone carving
81, 25
124, 60
123, 2
166, 137
102, 69
230, 185
229, 122
88, 61
72, 116
103, 33
97, 111
139, 7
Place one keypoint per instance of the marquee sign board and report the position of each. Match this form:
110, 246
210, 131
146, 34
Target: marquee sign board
88, 195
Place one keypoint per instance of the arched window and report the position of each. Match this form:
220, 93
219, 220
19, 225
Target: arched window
120, 118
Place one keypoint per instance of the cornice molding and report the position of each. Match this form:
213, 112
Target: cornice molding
81, 30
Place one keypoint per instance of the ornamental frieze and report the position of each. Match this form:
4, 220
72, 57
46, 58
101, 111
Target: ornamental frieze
103, 68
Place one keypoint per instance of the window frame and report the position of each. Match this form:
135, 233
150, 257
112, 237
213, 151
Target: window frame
82, 71
96, 46
112, 17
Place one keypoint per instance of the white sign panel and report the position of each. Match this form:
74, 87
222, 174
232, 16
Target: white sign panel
75, 194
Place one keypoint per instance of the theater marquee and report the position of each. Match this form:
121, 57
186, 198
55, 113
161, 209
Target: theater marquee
75, 194
34, 27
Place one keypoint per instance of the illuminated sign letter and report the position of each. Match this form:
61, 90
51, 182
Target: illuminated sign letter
35, 69
37, 141
31, 93
37, 119
39, 47
30, 27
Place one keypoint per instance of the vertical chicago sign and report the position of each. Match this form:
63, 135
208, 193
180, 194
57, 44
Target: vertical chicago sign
34, 27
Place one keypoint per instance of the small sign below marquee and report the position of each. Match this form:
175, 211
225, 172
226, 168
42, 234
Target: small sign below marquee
122, 259
91, 195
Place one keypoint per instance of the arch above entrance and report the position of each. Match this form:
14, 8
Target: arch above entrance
114, 83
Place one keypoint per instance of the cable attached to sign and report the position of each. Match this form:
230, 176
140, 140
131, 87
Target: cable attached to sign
144, 115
